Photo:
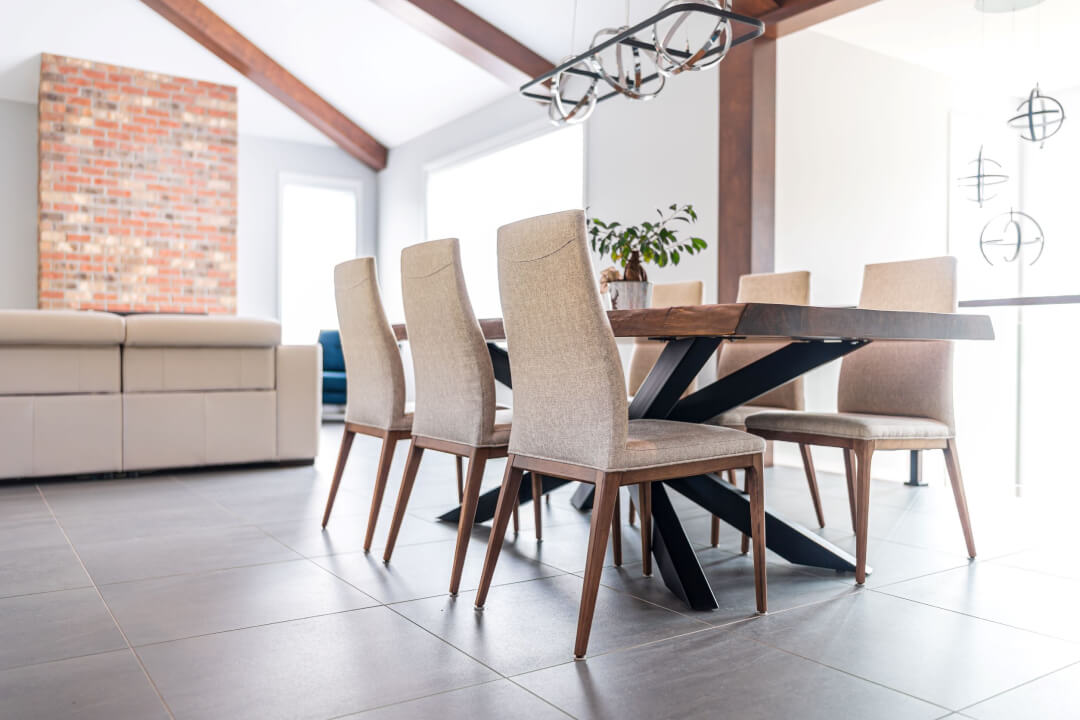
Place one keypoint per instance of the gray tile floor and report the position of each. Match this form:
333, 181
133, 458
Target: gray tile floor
216, 595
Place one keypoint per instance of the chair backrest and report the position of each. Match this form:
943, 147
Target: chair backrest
455, 385
903, 378
647, 352
374, 375
791, 288
569, 389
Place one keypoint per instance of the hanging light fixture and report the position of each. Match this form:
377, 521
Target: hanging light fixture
986, 175
1012, 231
572, 87
1040, 117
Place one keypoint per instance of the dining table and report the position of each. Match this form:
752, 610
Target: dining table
804, 338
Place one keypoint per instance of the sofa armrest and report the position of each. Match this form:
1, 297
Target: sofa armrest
299, 401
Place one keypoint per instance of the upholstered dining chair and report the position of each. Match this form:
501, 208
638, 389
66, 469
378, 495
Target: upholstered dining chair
375, 378
455, 409
570, 407
647, 352
790, 288
891, 396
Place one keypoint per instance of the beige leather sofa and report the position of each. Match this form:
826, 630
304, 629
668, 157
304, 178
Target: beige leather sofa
88, 392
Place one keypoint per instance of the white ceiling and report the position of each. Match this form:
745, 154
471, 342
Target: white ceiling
1008, 52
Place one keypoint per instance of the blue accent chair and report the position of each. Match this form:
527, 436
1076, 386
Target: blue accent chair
333, 383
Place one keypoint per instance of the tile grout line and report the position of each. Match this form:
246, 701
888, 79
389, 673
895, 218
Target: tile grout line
1017, 687
108, 609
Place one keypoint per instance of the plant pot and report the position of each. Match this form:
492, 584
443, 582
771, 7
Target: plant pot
630, 295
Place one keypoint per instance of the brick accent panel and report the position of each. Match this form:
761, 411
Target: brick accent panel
137, 193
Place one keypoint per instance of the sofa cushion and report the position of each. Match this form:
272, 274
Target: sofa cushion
60, 327
201, 331
333, 381
57, 370
185, 369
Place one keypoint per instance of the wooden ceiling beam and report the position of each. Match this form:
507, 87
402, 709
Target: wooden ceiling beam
795, 15
220, 38
472, 37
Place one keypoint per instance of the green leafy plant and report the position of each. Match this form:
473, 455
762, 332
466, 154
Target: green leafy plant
654, 242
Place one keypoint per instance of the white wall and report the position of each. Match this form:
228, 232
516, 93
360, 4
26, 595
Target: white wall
261, 163
18, 204
861, 176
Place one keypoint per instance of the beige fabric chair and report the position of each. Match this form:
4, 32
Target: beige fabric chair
455, 384
570, 406
892, 396
375, 405
791, 288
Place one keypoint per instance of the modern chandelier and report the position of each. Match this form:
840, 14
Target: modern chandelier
636, 61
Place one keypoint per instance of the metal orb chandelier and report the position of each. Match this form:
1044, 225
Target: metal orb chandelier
1039, 118
635, 61
1012, 231
987, 174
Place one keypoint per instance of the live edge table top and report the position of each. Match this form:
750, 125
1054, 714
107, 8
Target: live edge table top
765, 320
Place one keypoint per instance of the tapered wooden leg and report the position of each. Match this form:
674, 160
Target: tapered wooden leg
755, 486
811, 480
731, 477
645, 498
616, 532
864, 452
460, 478
339, 470
605, 499
412, 464
508, 500
477, 461
537, 490
952, 462
630, 512
517, 519
849, 473
714, 534
386, 456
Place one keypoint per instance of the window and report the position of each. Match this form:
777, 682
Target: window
318, 223
471, 199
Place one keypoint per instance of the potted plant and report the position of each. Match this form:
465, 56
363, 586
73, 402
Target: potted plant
632, 246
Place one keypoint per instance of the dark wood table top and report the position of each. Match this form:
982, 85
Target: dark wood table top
769, 321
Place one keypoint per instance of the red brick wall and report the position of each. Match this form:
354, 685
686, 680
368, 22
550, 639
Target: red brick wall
137, 194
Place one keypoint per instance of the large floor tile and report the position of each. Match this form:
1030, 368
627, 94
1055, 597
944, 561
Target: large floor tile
40, 569
53, 626
1021, 598
490, 701
28, 532
74, 498
22, 502
104, 527
110, 686
946, 658
195, 551
344, 534
530, 625
1059, 560
716, 674
316, 668
420, 571
893, 562
1054, 697
732, 579
182, 606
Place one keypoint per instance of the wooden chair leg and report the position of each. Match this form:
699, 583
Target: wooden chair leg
517, 518
458, 460
605, 499
755, 486
952, 462
645, 499
508, 500
616, 532
731, 478
477, 461
630, 511
864, 453
537, 490
811, 480
849, 472
339, 470
386, 456
714, 534
412, 464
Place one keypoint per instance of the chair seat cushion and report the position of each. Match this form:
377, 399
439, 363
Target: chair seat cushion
653, 443
736, 417
856, 426
333, 381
